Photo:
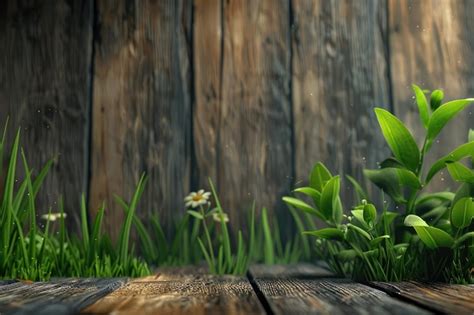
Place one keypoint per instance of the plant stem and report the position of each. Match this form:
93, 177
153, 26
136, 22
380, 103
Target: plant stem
208, 237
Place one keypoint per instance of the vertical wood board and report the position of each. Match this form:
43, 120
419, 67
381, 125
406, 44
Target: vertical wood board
141, 114
339, 75
45, 57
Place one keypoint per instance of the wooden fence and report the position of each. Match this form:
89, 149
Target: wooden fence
249, 93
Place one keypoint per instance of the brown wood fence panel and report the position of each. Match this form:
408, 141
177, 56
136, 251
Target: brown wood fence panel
141, 117
45, 50
339, 75
249, 93
242, 115
431, 44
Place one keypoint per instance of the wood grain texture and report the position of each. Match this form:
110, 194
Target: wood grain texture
339, 75
297, 271
431, 45
183, 294
45, 59
329, 296
141, 114
62, 296
207, 61
242, 114
440, 297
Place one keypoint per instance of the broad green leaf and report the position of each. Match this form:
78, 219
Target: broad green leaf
370, 213
422, 105
311, 192
399, 139
359, 231
337, 210
303, 206
329, 196
319, 176
436, 99
414, 220
327, 233
464, 190
460, 173
388, 182
462, 213
393, 180
433, 237
470, 135
196, 214
442, 116
391, 162
441, 196
359, 216
457, 154
378, 240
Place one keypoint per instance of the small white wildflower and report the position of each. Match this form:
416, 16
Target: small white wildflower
196, 199
53, 216
216, 216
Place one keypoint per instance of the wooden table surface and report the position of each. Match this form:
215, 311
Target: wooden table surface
295, 289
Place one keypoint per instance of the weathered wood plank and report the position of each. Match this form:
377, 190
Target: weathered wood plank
441, 297
181, 293
431, 45
339, 75
242, 114
45, 59
329, 296
297, 271
64, 296
207, 61
141, 114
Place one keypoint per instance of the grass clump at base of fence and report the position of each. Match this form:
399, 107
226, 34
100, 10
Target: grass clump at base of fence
29, 250
37, 248
431, 238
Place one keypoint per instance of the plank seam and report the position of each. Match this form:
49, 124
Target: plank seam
194, 172
388, 58
402, 298
90, 108
260, 295
290, 97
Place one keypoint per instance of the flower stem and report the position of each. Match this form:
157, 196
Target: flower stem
208, 238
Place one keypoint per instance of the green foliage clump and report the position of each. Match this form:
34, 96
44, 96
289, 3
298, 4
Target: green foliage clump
32, 250
432, 236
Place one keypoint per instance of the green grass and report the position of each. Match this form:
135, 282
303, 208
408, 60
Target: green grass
37, 249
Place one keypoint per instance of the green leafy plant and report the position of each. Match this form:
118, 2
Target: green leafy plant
375, 242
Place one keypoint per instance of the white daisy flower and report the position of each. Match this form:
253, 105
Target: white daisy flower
196, 199
53, 216
217, 217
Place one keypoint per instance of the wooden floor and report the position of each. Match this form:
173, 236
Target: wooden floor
297, 289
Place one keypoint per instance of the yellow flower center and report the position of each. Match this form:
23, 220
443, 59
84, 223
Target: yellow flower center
198, 197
